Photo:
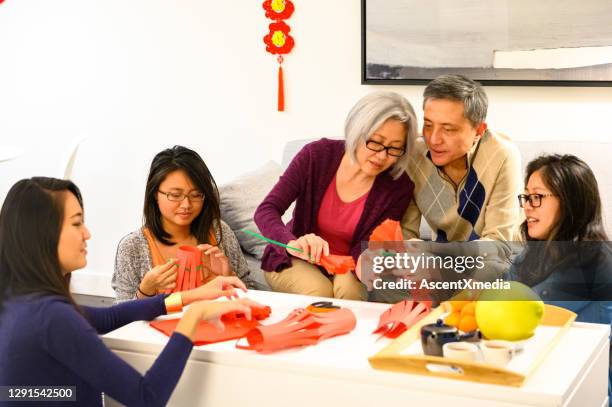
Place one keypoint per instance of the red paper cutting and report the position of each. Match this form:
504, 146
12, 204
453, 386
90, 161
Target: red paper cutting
190, 268
388, 231
336, 264
401, 316
236, 326
300, 328
390, 234
208, 333
256, 313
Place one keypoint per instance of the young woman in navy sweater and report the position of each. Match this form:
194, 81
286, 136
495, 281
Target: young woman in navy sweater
568, 257
47, 340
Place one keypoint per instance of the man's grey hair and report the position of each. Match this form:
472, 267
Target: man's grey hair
371, 112
462, 89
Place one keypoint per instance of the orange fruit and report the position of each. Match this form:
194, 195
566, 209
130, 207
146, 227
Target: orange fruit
446, 306
453, 319
467, 323
458, 305
469, 309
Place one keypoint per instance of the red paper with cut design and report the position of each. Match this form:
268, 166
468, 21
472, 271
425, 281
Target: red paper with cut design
336, 264
401, 316
300, 328
236, 326
388, 231
256, 313
191, 269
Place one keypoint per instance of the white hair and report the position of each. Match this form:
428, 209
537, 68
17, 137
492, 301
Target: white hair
371, 112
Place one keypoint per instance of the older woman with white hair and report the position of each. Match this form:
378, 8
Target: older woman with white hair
342, 190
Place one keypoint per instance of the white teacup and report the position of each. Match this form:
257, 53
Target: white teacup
497, 352
460, 351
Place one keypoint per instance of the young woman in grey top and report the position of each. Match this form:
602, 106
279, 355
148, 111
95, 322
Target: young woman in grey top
181, 208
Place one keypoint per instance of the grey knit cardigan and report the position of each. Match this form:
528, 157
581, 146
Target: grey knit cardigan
133, 260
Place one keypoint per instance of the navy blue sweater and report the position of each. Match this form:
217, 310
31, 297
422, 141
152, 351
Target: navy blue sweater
45, 341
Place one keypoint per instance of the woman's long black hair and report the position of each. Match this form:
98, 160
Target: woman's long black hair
182, 158
30, 225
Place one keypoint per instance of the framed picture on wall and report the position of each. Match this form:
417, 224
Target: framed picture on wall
497, 42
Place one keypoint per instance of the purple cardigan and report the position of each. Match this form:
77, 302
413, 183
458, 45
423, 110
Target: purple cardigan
305, 182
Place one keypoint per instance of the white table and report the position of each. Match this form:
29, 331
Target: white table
336, 372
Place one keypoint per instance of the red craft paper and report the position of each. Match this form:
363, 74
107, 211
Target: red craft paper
208, 333
236, 326
336, 264
388, 231
190, 268
401, 316
256, 313
300, 328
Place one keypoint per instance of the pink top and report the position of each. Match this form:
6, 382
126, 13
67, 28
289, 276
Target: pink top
337, 220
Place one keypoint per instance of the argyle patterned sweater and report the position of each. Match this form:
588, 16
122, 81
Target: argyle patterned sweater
483, 206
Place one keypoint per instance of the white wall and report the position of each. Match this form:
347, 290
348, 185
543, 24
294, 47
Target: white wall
137, 76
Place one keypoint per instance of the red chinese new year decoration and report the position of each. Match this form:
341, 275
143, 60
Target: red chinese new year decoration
190, 268
388, 231
336, 264
300, 328
390, 234
278, 40
401, 316
236, 326
278, 9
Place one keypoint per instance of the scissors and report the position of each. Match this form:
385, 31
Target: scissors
322, 306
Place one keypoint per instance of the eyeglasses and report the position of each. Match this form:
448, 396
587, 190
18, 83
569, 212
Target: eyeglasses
392, 151
195, 196
535, 200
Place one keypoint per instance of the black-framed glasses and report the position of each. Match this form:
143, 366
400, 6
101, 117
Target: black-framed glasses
392, 151
194, 196
535, 200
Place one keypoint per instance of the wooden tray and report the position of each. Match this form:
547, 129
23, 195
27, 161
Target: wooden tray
556, 321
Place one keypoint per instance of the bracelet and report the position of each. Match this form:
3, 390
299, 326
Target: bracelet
174, 303
143, 293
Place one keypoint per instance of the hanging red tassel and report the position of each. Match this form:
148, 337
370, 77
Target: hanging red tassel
281, 90
278, 40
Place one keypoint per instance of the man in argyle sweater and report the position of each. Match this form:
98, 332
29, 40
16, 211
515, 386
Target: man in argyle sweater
466, 177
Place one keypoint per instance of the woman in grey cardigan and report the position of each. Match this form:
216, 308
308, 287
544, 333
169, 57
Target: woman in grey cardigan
181, 208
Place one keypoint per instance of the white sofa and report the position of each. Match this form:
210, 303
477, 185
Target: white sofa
240, 198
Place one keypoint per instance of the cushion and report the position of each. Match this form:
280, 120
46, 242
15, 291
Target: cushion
239, 200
